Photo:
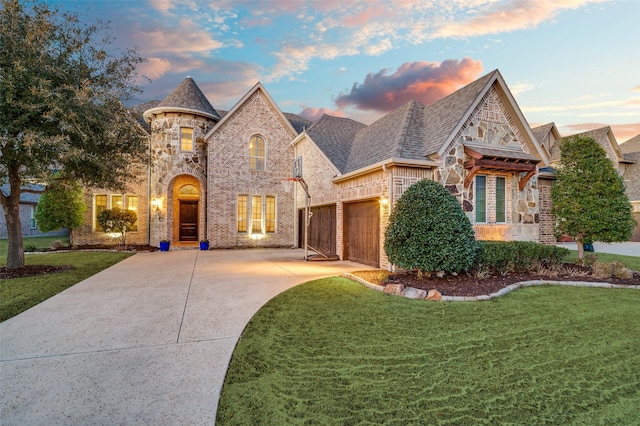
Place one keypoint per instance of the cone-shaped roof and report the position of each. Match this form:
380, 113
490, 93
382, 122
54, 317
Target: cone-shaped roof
187, 97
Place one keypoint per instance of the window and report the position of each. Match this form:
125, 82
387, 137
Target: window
242, 213
256, 215
32, 221
262, 213
186, 139
132, 205
481, 198
270, 215
116, 201
101, 204
256, 153
501, 204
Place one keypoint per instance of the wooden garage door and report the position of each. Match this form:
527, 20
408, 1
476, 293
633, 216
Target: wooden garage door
322, 229
362, 232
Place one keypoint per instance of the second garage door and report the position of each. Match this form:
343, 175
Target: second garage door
362, 232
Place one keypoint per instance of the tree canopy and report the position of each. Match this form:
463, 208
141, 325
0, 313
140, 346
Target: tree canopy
428, 231
61, 206
62, 88
588, 198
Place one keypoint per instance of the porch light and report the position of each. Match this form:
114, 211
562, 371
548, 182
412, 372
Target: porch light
156, 203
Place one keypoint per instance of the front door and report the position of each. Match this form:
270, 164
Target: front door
188, 221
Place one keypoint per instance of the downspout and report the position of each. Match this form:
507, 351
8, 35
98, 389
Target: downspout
149, 195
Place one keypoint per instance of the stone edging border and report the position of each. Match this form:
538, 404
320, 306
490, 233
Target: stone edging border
508, 289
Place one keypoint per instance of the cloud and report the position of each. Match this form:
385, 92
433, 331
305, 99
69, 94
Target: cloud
154, 67
315, 113
185, 38
506, 16
636, 89
425, 82
518, 88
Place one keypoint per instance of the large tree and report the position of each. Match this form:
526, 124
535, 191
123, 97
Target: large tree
61, 206
589, 200
62, 88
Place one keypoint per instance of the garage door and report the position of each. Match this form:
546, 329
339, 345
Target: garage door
322, 229
636, 232
362, 232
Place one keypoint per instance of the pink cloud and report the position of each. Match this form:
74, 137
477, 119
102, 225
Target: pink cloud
508, 16
425, 82
154, 67
315, 113
367, 15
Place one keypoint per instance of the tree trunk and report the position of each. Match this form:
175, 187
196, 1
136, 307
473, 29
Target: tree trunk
580, 250
11, 206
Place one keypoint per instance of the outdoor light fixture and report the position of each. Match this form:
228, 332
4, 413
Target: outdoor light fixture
156, 203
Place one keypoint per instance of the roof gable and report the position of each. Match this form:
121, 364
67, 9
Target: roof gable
258, 87
335, 136
605, 138
631, 146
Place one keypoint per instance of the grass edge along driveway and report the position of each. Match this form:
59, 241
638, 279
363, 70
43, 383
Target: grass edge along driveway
333, 352
19, 294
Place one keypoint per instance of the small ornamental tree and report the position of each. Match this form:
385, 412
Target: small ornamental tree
428, 231
117, 221
60, 206
589, 200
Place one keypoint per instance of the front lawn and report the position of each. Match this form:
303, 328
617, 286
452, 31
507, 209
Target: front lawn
34, 243
333, 352
19, 294
631, 262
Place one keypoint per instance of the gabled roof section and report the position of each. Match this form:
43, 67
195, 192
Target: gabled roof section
604, 137
298, 123
187, 97
334, 136
446, 116
631, 146
257, 87
632, 176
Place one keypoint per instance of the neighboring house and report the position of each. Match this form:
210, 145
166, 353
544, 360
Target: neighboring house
631, 152
220, 175
28, 203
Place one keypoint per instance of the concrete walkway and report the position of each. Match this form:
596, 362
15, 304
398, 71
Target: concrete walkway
147, 341
627, 249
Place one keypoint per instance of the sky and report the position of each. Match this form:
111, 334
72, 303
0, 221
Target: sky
572, 62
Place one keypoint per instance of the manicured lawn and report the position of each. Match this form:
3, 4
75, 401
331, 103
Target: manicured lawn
333, 352
631, 262
19, 294
39, 243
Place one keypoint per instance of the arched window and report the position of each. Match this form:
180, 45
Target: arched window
188, 192
256, 153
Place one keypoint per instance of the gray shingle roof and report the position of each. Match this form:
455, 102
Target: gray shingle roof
412, 131
25, 197
599, 135
334, 136
632, 176
630, 146
187, 96
541, 132
298, 123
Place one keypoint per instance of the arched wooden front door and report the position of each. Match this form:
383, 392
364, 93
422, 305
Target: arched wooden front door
188, 212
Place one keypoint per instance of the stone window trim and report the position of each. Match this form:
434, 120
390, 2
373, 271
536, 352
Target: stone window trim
257, 152
109, 201
256, 214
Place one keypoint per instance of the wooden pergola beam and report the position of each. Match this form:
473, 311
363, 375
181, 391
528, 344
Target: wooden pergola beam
525, 179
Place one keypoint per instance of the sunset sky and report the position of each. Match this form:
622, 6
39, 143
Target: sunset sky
574, 62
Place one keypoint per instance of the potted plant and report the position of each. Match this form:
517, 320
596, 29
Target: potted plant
164, 245
204, 244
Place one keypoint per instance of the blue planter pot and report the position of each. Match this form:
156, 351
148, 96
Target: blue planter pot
204, 245
164, 245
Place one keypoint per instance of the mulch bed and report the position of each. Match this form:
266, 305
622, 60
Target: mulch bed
468, 285
33, 270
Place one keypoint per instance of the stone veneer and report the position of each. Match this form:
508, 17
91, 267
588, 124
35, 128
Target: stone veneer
171, 165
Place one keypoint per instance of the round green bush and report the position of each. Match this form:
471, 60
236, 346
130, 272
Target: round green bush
428, 231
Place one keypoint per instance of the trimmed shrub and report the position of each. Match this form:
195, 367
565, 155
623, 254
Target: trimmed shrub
504, 257
428, 231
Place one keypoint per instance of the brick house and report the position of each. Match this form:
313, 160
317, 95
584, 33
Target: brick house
218, 175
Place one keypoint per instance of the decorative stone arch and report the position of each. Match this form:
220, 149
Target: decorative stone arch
179, 203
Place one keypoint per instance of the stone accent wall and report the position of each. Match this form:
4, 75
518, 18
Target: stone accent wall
229, 174
168, 162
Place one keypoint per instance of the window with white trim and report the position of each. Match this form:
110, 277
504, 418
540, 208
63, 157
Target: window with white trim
121, 201
186, 139
481, 198
257, 153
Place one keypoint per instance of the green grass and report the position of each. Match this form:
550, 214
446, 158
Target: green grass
19, 294
333, 352
631, 262
40, 243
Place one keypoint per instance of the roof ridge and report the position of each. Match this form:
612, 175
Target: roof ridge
408, 120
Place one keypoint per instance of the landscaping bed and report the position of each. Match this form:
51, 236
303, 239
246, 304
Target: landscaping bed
466, 284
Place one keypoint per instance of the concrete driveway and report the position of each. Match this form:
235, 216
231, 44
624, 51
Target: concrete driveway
147, 341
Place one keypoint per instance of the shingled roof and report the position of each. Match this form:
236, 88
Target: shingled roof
631, 146
187, 97
334, 136
603, 136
